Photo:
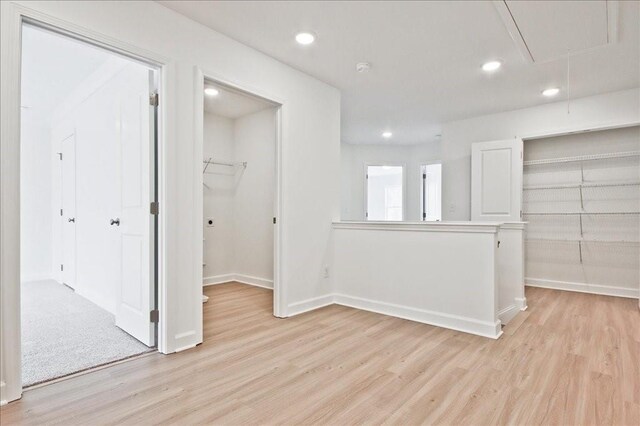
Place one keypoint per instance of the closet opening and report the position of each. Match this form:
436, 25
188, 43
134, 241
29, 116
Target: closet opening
581, 202
88, 205
240, 193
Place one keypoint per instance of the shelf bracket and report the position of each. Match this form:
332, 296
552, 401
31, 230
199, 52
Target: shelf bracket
581, 232
580, 250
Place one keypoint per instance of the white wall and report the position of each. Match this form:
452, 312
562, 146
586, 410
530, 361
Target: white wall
255, 139
353, 161
219, 250
240, 201
310, 156
36, 202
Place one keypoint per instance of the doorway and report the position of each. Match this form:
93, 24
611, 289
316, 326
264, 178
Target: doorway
240, 181
88, 188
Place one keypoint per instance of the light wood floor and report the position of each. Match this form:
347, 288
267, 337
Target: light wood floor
571, 359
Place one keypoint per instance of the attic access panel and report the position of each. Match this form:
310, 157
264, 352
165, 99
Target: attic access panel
545, 31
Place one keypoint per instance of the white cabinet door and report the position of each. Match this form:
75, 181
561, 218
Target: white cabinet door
135, 293
496, 181
68, 213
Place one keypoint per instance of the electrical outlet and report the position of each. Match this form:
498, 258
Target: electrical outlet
211, 222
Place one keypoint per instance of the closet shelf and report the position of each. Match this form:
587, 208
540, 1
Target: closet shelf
580, 214
552, 240
592, 157
581, 185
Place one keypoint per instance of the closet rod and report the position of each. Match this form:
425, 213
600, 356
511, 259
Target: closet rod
211, 161
583, 158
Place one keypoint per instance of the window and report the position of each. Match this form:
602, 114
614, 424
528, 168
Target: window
385, 192
431, 194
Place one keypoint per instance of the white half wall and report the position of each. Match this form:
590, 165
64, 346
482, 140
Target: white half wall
310, 156
444, 274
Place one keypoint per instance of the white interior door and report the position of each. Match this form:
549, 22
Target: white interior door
68, 211
135, 294
496, 181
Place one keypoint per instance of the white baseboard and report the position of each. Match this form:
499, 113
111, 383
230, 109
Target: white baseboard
241, 278
454, 322
508, 313
309, 305
3, 389
217, 279
583, 288
521, 303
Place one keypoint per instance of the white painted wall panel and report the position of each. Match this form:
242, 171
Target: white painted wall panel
446, 278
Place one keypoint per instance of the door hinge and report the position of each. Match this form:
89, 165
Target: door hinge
424, 176
155, 208
154, 99
498, 243
154, 316
60, 212
274, 220
59, 155
424, 215
61, 267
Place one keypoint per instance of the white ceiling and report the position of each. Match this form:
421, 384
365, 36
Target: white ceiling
52, 66
426, 56
231, 103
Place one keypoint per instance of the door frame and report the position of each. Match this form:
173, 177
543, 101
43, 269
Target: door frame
13, 17
201, 77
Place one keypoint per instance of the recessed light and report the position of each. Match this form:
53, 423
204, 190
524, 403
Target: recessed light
491, 66
552, 91
211, 91
387, 135
305, 38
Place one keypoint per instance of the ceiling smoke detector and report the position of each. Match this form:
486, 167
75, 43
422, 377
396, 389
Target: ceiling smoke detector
363, 66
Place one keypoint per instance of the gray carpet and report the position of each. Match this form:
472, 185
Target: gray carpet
63, 333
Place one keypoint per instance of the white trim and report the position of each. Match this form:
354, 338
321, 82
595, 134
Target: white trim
454, 322
583, 288
241, 278
2, 391
467, 227
521, 303
217, 279
508, 313
307, 305
520, 226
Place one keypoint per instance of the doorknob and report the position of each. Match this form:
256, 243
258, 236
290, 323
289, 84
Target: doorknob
72, 219
115, 221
